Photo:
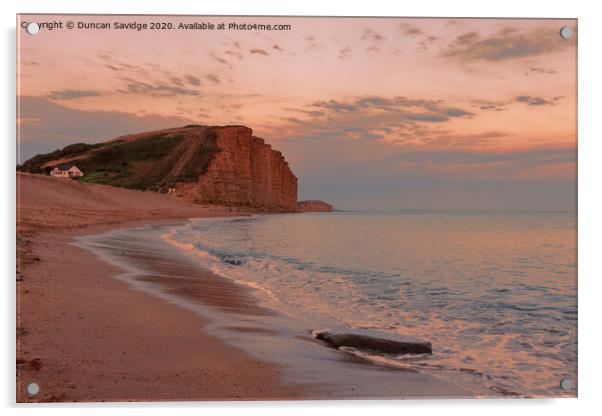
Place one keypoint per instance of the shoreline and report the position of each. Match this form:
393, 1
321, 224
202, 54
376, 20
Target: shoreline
159, 353
84, 334
242, 317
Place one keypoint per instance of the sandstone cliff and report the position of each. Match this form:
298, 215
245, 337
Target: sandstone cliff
221, 165
314, 206
245, 172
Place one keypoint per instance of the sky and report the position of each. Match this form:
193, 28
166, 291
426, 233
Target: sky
370, 113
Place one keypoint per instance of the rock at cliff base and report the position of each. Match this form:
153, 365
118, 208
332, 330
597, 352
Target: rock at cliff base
314, 206
367, 340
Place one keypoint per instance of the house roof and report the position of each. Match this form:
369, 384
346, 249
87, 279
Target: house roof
65, 166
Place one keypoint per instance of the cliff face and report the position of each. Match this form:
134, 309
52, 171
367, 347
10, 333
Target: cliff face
244, 172
199, 164
314, 206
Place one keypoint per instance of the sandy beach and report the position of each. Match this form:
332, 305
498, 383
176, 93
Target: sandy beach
186, 334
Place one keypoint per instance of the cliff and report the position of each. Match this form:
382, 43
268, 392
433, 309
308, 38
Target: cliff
199, 164
314, 206
245, 172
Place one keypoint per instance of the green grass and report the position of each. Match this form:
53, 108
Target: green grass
138, 164
93, 177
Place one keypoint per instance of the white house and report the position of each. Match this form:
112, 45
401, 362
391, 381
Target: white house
66, 171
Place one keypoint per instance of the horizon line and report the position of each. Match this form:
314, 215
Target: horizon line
445, 210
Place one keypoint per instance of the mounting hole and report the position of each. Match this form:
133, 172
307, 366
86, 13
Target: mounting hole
566, 32
566, 384
33, 389
32, 28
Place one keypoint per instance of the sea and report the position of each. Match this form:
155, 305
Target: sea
495, 292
